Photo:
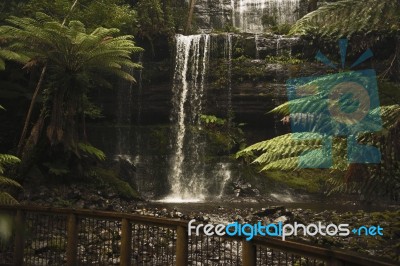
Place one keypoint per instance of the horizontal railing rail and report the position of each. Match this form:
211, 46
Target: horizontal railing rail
132, 239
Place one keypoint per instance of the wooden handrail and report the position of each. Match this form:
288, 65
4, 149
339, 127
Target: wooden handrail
318, 252
331, 256
149, 220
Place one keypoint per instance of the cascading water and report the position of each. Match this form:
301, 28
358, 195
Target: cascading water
278, 45
228, 58
276, 97
225, 174
233, 13
256, 45
222, 8
249, 13
186, 176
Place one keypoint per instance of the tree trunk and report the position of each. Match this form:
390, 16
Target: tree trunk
21, 143
190, 16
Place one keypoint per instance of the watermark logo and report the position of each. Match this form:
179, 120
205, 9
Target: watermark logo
344, 104
249, 231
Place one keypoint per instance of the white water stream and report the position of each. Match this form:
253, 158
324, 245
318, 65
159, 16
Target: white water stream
186, 176
247, 14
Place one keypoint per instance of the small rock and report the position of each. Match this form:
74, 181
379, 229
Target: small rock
282, 219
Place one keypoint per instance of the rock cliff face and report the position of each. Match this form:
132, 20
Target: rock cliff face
246, 15
245, 76
256, 84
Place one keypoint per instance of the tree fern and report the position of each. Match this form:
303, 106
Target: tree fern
348, 17
76, 60
283, 153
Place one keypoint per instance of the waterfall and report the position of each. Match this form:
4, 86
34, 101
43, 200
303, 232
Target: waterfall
250, 13
222, 8
233, 13
278, 45
228, 58
225, 174
186, 176
256, 45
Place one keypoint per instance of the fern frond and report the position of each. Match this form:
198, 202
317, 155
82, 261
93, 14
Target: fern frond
89, 149
347, 17
286, 164
6, 182
7, 199
8, 159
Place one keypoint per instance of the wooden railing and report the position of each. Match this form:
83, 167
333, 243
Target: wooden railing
259, 251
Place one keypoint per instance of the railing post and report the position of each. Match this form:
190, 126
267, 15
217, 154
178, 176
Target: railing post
19, 238
126, 239
182, 240
72, 240
248, 253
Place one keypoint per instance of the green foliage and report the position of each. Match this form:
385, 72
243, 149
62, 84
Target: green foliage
281, 29
57, 168
144, 18
108, 179
212, 119
381, 180
348, 17
76, 61
7, 199
223, 135
245, 69
7, 184
153, 19
93, 13
91, 150
282, 153
70, 48
283, 59
108, 14
176, 11
91, 110
7, 159
9, 54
